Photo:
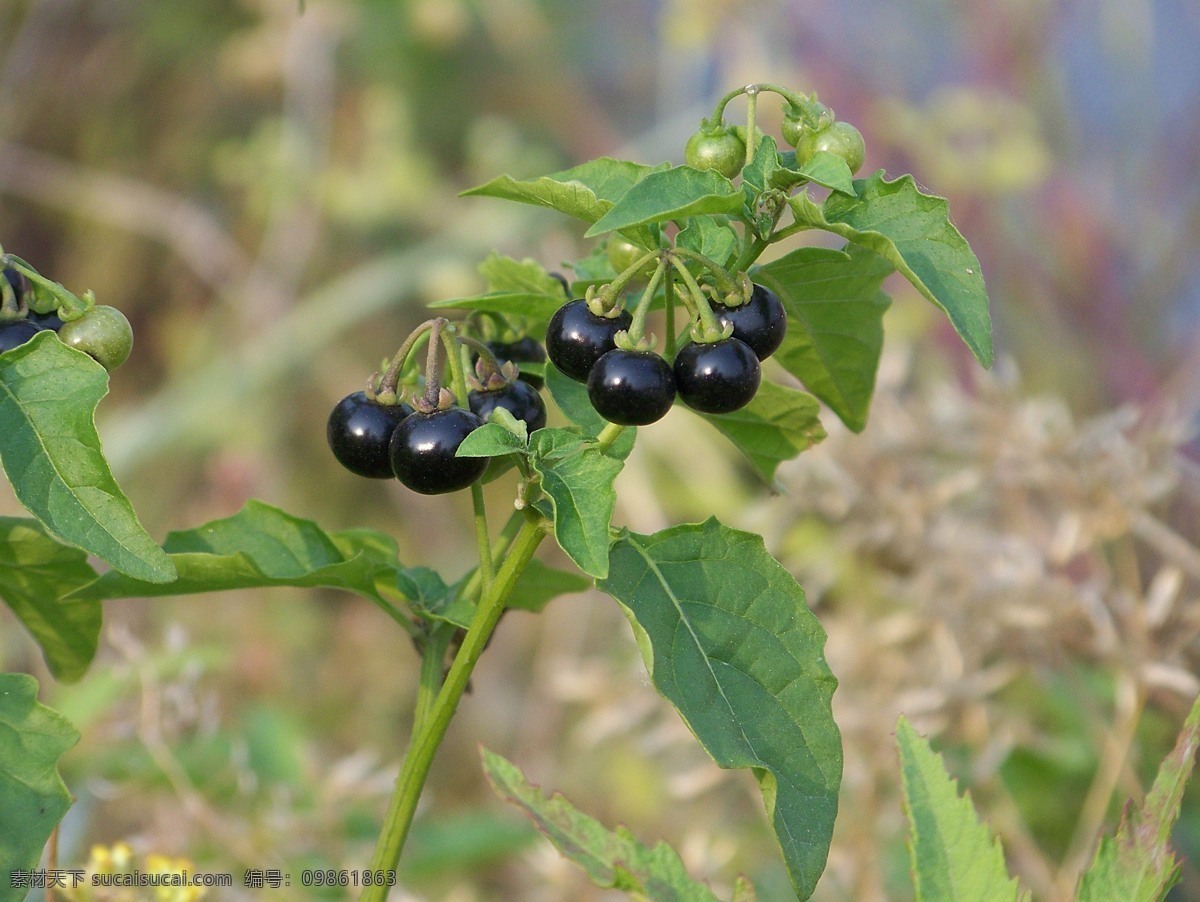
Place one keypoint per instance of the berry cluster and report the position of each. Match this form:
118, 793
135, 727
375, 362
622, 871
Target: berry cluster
374, 433
628, 384
100, 331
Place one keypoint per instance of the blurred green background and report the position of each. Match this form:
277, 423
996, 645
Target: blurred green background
1010, 558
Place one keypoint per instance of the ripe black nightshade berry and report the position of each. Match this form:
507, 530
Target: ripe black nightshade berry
519, 398
15, 334
359, 431
50, 322
761, 322
631, 388
577, 338
718, 377
423, 447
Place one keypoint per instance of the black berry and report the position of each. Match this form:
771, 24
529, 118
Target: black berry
717, 378
359, 431
423, 447
761, 322
15, 334
46, 321
577, 338
519, 398
631, 388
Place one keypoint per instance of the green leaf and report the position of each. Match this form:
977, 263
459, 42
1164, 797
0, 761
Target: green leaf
36, 572
587, 191
670, 194
835, 323
913, 232
33, 797
51, 452
756, 178
504, 274
775, 426
262, 546
952, 854
539, 584
578, 479
612, 859
491, 440
711, 236
538, 308
1137, 864
830, 171
729, 641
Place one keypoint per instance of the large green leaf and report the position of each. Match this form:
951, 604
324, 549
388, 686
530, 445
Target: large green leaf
729, 641
835, 323
577, 477
953, 856
612, 859
830, 171
36, 571
33, 798
670, 194
711, 236
51, 452
262, 546
912, 230
1137, 864
775, 426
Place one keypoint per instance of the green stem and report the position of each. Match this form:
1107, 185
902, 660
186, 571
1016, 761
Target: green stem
724, 280
608, 435
433, 657
793, 99
669, 302
391, 377
708, 320
70, 305
637, 326
486, 574
752, 251
419, 758
751, 116
454, 353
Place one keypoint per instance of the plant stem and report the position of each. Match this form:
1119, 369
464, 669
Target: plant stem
608, 435
486, 574
751, 130
433, 658
669, 302
419, 758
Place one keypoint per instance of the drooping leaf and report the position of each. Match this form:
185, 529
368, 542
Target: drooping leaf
756, 178
729, 641
36, 572
33, 797
775, 426
953, 856
830, 171
668, 194
262, 546
1137, 864
613, 859
835, 323
578, 479
52, 455
912, 230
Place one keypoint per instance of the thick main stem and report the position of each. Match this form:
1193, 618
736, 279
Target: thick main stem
426, 740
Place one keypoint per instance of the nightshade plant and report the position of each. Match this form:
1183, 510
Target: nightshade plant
723, 628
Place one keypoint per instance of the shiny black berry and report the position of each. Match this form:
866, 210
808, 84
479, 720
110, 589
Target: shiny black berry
519, 398
523, 350
423, 447
761, 322
631, 388
717, 378
15, 334
359, 431
577, 338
